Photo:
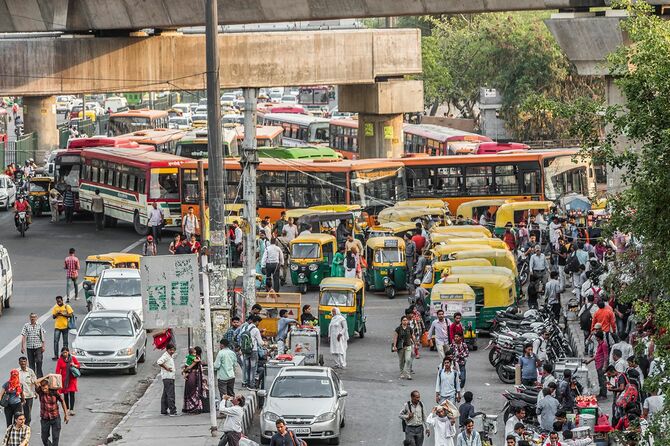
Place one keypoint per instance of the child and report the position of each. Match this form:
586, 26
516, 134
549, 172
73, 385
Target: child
466, 410
191, 356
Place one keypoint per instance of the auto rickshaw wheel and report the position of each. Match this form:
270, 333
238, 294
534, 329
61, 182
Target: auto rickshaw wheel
361, 332
302, 288
390, 292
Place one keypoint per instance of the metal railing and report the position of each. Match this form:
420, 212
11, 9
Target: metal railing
19, 150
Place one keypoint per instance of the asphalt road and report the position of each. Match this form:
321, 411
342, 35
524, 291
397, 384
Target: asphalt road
37, 262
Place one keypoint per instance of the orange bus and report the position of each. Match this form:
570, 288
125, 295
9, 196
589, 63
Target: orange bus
134, 120
163, 140
529, 175
436, 140
344, 137
291, 184
266, 135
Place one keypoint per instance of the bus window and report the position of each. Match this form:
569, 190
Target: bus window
531, 182
478, 180
449, 181
506, 180
419, 182
163, 186
320, 134
271, 188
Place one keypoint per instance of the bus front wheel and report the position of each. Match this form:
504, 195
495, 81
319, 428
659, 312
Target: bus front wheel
139, 227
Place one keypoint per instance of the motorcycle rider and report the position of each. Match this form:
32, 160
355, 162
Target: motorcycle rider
22, 205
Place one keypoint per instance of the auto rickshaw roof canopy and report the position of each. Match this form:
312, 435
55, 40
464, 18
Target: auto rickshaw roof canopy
422, 203
475, 261
341, 283
120, 257
461, 228
452, 288
506, 212
465, 209
498, 281
314, 237
449, 239
409, 213
385, 242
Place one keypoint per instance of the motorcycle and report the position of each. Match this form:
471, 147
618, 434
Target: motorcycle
21, 221
487, 426
525, 398
522, 265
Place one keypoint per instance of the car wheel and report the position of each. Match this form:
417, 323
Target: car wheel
142, 358
342, 423
265, 440
335, 440
132, 370
7, 302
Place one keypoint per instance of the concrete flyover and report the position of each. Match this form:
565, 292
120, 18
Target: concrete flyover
60, 65
85, 15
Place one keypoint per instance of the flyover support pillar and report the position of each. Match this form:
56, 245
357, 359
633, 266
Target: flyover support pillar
39, 115
380, 107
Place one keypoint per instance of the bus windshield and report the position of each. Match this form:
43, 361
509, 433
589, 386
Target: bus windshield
563, 176
164, 185
69, 174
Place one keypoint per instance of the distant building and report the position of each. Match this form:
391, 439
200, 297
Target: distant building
490, 103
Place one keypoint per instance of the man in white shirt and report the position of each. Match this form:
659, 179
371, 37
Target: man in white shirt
540, 346
237, 241
272, 258
190, 224
290, 230
233, 409
518, 417
624, 348
155, 221
652, 405
440, 329
28, 379
538, 265
620, 364
166, 363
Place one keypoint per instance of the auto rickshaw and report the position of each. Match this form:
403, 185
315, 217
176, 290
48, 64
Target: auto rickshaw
97, 263
327, 222
492, 293
472, 210
392, 228
459, 229
387, 268
274, 302
497, 256
349, 296
455, 298
422, 203
38, 194
450, 239
474, 266
426, 215
518, 211
311, 258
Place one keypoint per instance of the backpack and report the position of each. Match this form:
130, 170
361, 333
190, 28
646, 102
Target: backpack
246, 342
351, 262
586, 318
629, 395
572, 265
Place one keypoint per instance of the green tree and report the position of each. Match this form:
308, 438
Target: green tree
437, 81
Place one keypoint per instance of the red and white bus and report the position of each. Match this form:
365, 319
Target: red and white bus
344, 137
133, 120
491, 148
436, 140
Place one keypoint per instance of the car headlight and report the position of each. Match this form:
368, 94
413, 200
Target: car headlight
270, 417
294, 267
313, 267
387, 281
125, 352
325, 417
78, 352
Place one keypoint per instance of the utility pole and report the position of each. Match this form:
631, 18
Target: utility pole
215, 185
249, 162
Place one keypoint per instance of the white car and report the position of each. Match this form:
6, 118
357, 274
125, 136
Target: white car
6, 279
289, 99
180, 122
7, 192
183, 107
202, 109
275, 97
110, 340
310, 400
118, 289
115, 103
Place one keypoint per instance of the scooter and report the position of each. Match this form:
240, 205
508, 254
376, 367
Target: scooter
21, 221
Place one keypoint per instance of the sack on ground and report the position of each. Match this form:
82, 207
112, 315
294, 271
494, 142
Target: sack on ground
55, 381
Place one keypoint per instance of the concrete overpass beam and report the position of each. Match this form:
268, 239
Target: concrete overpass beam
39, 115
380, 107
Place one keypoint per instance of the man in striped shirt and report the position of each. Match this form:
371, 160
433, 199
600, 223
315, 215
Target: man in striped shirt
71, 275
32, 344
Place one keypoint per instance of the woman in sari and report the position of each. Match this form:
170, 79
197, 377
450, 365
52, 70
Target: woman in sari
68, 368
194, 387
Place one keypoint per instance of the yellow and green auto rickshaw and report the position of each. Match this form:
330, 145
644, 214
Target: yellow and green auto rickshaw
392, 228
493, 292
38, 194
97, 263
387, 268
311, 258
422, 203
497, 256
465, 266
455, 298
272, 304
517, 212
427, 215
347, 294
457, 230
473, 210
328, 222
449, 239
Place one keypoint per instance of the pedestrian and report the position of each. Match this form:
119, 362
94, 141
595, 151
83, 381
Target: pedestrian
410, 256
461, 354
337, 266
552, 295
33, 344
285, 437
443, 423
149, 248
71, 267
568, 390
307, 318
61, 313
183, 247
273, 257
54, 196
290, 229
68, 203
194, 385
413, 417
469, 436
528, 363
605, 317
652, 405
403, 341
466, 410
350, 263
172, 247
578, 280
232, 406
98, 210
417, 325
238, 241
540, 346
456, 327
28, 379
15, 399
341, 233
517, 418
509, 237
538, 266
18, 434
190, 225
552, 439
338, 334
447, 384
439, 329
279, 224
224, 365
547, 408
283, 325
601, 360
194, 245
166, 363
251, 342
620, 364
155, 221
585, 316
69, 369
50, 422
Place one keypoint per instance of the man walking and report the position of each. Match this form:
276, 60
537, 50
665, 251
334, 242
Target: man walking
155, 221
552, 295
28, 381
440, 329
272, 258
410, 256
32, 343
414, 418
601, 359
166, 363
54, 195
71, 266
250, 341
238, 242
68, 203
224, 365
98, 209
49, 414
403, 342
338, 333
447, 384
190, 224
233, 408
61, 313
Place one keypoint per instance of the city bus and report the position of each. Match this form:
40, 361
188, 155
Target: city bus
299, 130
129, 181
436, 140
314, 99
194, 144
294, 183
344, 137
528, 175
266, 136
133, 120
163, 140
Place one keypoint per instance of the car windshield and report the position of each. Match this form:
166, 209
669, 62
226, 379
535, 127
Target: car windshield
94, 269
388, 255
106, 326
305, 251
337, 298
120, 287
302, 387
